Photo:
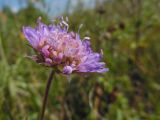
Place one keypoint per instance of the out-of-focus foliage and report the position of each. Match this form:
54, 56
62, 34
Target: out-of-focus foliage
128, 33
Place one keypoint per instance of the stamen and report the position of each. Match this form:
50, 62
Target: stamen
66, 25
66, 18
39, 19
101, 52
87, 38
81, 25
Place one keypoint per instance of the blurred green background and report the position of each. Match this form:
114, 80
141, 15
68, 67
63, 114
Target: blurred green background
128, 31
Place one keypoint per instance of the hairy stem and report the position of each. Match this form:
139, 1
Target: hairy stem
46, 95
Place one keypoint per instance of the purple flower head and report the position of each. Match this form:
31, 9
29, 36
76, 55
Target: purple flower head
55, 46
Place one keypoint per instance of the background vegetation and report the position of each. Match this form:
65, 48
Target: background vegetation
129, 34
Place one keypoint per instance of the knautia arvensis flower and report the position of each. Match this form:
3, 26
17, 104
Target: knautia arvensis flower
57, 47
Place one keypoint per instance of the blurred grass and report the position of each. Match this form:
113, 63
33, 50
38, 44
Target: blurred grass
128, 33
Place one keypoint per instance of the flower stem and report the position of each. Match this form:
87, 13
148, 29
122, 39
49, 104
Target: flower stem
46, 94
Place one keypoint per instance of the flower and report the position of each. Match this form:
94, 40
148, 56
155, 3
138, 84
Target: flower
55, 46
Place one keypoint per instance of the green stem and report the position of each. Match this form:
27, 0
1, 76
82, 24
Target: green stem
46, 95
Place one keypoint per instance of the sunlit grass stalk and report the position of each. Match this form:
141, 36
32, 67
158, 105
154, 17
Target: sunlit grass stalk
41, 117
2, 53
